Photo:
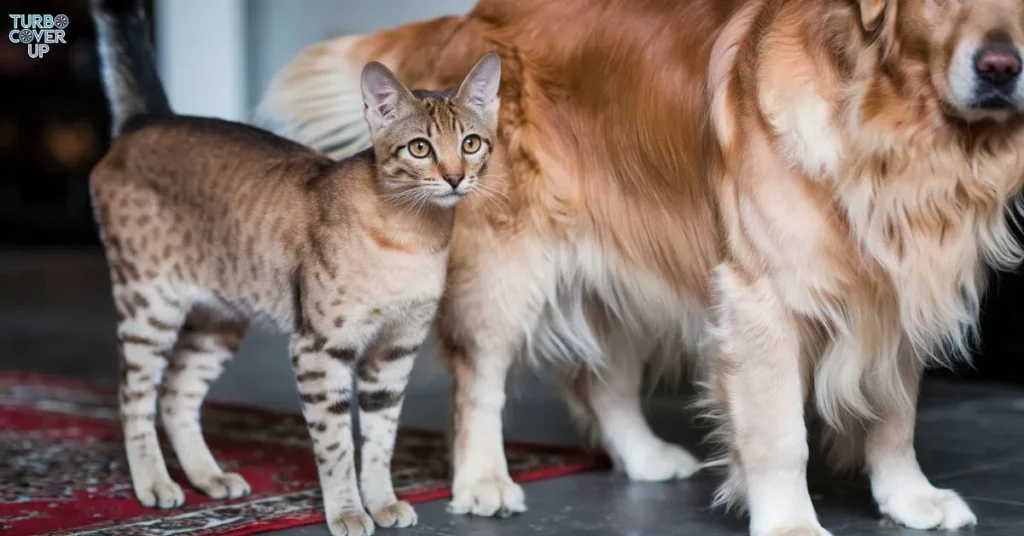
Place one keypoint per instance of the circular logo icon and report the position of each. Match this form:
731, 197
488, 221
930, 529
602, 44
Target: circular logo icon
61, 21
25, 36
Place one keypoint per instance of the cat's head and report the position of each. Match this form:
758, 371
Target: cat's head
432, 147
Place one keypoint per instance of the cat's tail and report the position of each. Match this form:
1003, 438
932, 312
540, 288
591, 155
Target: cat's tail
129, 69
316, 99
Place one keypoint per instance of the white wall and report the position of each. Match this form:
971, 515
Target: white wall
202, 57
216, 57
280, 29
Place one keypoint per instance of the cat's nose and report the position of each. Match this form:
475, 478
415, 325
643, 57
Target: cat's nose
453, 180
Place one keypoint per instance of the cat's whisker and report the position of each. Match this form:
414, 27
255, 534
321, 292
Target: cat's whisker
410, 200
420, 200
493, 177
488, 200
486, 191
491, 190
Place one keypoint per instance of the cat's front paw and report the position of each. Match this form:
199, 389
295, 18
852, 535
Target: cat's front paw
225, 486
398, 515
351, 523
160, 493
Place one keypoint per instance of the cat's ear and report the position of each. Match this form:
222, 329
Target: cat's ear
871, 12
382, 94
479, 91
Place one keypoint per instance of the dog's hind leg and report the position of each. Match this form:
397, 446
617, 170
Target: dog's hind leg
204, 346
607, 404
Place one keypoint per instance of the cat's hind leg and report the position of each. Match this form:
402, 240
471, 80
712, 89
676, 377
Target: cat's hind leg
204, 346
150, 320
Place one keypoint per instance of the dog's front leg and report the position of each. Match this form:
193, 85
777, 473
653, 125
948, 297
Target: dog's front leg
902, 491
761, 382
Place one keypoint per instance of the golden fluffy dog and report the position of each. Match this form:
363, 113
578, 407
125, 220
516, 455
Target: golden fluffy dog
799, 197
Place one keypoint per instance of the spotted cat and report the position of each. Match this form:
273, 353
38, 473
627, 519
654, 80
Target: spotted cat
209, 225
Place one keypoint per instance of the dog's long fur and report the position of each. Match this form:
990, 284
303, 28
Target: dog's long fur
781, 190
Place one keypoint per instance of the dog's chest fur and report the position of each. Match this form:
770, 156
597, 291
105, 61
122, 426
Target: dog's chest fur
902, 224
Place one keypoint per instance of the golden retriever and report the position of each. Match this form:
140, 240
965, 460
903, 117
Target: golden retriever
799, 197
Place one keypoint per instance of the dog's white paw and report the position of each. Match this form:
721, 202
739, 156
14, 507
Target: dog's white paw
801, 530
489, 496
793, 526
928, 508
664, 462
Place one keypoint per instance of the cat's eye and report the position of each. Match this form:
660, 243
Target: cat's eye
471, 144
419, 148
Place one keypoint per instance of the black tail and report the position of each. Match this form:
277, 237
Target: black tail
126, 56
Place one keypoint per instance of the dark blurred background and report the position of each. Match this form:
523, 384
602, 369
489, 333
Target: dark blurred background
53, 128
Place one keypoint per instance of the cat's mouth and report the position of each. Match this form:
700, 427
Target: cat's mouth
449, 198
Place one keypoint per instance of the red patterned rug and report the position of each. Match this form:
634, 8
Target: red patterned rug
63, 469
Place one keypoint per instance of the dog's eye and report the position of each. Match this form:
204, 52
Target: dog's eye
419, 148
471, 144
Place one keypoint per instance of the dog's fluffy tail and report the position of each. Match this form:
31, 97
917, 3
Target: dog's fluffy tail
316, 99
129, 69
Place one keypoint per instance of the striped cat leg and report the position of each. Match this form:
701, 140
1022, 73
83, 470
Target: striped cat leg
323, 370
382, 378
203, 348
147, 332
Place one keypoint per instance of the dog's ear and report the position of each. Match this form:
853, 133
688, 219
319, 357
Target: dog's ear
871, 12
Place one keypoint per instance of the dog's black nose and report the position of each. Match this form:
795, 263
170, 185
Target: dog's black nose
454, 180
998, 64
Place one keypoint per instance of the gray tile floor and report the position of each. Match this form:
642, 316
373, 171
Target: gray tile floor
56, 317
